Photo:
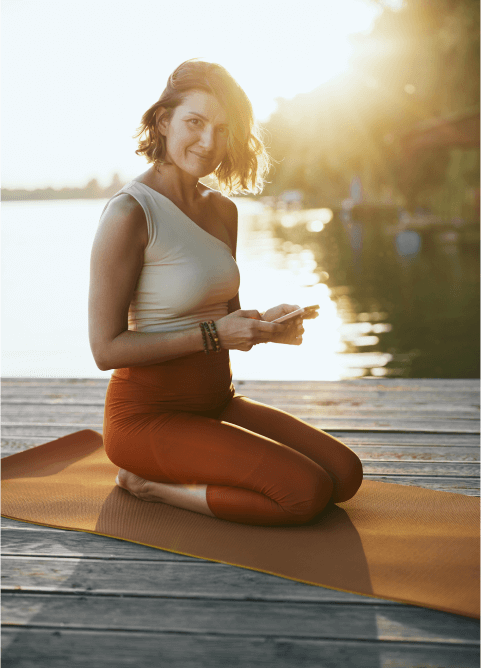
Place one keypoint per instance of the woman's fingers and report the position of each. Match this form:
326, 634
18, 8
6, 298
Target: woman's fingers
292, 335
265, 331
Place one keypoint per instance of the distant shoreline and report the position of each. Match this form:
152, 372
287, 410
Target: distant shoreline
42, 195
91, 191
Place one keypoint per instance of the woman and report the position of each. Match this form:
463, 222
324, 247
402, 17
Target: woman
163, 263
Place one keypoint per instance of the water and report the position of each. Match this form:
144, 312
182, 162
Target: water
412, 295
365, 328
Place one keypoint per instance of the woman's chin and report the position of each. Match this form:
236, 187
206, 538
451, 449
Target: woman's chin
198, 172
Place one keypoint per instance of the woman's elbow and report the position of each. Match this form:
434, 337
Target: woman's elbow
100, 358
102, 364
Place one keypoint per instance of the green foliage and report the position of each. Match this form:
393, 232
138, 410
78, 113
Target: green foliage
417, 63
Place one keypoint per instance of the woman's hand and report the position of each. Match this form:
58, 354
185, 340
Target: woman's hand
292, 335
241, 330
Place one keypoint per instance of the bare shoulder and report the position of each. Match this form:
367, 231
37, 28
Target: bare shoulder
225, 208
125, 217
122, 206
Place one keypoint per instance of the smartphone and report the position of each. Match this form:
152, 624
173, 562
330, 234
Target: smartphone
307, 310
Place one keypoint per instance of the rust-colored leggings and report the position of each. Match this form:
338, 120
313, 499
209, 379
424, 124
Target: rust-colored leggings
261, 465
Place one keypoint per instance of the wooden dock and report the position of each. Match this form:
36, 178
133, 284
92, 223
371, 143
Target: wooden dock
76, 599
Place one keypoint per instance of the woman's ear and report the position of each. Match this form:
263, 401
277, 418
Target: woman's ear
162, 120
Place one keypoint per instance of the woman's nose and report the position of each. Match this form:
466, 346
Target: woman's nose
207, 139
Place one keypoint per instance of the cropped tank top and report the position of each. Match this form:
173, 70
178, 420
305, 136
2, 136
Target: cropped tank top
188, 275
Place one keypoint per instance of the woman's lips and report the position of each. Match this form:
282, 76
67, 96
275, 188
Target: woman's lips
202, 157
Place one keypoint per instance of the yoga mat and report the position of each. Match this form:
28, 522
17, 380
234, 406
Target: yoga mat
390, 541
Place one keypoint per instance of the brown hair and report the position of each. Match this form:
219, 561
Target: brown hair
246, 163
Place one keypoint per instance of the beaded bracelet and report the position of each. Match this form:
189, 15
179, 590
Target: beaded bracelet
207, 329
216, 337
204, 338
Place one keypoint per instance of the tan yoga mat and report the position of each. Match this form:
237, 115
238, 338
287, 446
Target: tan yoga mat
390, 541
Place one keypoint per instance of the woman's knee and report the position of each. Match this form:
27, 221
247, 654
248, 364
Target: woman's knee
347, 481
317, 492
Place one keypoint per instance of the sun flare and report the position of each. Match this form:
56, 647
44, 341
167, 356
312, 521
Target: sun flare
90, 90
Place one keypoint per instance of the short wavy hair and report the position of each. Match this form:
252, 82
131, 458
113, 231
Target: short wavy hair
246, 164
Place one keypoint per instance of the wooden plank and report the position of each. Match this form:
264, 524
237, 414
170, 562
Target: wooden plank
374, 439
391, 409
372, 384
411, 425
392, 384
416, 453
49, 648
413, 439
440, 426
422, 468
324, 398
247, 618
30, 540
296, 405
29, 413
181, 577
468, 486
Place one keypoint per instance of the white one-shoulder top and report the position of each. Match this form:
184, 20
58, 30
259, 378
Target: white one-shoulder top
188, 275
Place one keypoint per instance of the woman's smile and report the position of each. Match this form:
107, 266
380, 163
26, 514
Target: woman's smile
202, 157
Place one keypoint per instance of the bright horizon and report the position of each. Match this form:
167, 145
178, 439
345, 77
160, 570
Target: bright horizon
77, 77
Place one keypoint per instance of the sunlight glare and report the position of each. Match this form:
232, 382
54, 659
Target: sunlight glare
315, 226
268, 278
94, 72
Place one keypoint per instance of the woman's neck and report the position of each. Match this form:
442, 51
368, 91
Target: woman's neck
175, 184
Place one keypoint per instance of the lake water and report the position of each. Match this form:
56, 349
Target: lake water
45, 274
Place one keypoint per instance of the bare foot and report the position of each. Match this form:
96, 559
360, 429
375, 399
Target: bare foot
132, 483
189, 497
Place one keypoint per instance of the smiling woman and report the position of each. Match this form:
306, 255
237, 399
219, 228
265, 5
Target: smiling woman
164, 312
227, 111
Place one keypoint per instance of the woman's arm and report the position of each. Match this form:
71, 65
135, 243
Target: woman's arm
116, 262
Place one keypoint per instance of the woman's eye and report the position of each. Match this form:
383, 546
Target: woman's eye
194, 121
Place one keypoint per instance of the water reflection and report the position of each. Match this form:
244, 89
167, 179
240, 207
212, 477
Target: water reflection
407, 301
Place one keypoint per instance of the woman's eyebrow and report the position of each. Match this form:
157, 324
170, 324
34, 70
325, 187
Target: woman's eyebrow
204, 118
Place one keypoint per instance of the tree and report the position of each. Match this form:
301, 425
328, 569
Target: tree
417, 63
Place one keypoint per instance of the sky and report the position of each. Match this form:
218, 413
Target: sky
78, 75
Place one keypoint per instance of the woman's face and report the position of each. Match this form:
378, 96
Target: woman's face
196, 134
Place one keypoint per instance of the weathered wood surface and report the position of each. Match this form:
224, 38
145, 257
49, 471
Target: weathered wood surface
34, 648
78, 599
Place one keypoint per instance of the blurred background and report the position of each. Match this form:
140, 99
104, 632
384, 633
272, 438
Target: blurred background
371, 112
